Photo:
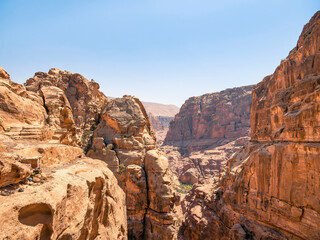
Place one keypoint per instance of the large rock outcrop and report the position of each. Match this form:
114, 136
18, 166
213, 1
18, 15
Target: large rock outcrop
125, 140
34, 129
80, 200
41, 125
270, 190
85, 100
211, 120
206, 132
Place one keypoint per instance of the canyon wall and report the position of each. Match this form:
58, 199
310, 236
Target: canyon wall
211, 120
207, 130
270, 190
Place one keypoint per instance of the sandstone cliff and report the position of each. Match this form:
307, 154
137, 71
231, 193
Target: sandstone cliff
207, 130
83, 99
211, 120
125, 140
270, 190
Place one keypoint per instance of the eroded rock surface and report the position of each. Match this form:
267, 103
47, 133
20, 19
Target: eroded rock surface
206, 132
80, 200
85, 99
211, 120
270, 190
126, 141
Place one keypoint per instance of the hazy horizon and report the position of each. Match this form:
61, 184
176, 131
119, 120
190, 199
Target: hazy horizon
160, 51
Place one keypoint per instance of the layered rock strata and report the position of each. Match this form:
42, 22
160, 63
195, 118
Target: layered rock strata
211, 120
270, 190
125, 140
207, 130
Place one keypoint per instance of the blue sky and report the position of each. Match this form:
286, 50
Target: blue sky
158, 50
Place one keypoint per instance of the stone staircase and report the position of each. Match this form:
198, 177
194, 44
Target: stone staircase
25, 133
57, 135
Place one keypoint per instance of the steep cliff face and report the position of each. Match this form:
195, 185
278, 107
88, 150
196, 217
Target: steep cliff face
270, 190
206, 132
211, 120
125, 140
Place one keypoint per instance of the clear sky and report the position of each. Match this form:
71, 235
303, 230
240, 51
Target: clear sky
158, 50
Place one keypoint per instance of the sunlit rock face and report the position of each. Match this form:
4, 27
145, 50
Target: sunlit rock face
50, 123
125, 140
207, 130
84, 100
211, 120
270, 190
79, 200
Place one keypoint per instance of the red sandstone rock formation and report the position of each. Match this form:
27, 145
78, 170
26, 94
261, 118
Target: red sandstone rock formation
125, 140
270, 190
206, 132
211, 120
73, 198
84, 98
40, 126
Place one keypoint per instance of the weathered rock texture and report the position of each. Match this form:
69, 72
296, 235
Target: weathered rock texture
202, 165
26, 119
79, 101
160, 116
206, 132
270, 190
41, 125
211, 120
125, 140
80, 200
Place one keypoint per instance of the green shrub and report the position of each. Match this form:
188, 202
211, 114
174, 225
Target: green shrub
122, 168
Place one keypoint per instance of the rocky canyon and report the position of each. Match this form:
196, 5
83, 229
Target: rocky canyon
270, 189
242, 163
207, 130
